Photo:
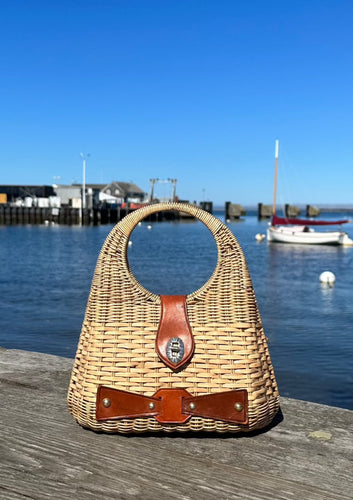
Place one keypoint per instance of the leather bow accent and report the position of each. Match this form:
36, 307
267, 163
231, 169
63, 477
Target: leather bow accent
172, 406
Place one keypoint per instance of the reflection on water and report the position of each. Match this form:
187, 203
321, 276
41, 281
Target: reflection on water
46, 273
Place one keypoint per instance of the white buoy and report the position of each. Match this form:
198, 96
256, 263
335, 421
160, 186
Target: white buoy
130, 243
149, 227
327, 277
139, 224
260, 237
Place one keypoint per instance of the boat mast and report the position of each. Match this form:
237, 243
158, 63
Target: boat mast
275, 183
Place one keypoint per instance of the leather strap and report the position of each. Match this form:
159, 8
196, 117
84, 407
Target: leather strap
174, 342
172, 406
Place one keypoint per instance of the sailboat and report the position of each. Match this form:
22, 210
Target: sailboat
299, 231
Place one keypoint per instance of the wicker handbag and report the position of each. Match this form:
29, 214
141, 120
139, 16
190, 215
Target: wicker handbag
172, 363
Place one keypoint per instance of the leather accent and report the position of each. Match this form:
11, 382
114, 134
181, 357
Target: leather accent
124, 404
219, 406
174, 323
172, 406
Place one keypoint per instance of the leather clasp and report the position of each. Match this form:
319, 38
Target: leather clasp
175, 343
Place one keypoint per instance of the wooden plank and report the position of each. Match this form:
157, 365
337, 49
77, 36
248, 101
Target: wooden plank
46, 454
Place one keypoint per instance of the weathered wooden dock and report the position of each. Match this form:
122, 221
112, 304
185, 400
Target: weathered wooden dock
307, 453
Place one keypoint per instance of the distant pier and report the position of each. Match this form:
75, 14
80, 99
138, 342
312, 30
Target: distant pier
233, 210
12, 215
311, 211
65, 215
291, 210
264, 211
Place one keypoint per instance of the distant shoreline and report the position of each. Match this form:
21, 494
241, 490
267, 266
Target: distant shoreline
339, 207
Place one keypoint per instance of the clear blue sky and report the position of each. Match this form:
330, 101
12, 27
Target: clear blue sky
196, 90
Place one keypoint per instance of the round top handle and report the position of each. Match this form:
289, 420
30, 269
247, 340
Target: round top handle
128, 223
230, 262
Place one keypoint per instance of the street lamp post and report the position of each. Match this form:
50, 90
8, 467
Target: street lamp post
83, 202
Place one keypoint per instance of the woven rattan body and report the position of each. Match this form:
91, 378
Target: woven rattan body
117, 343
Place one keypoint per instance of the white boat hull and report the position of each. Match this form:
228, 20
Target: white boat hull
303, 236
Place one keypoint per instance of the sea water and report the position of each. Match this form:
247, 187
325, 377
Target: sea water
46, 273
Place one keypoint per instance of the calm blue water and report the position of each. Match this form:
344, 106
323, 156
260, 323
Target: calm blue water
46, 272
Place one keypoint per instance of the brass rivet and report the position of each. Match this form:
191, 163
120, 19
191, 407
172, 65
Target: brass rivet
192, 406
238, 406
151, 406
106, 402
